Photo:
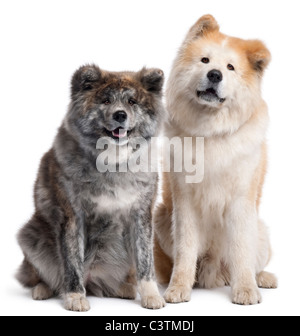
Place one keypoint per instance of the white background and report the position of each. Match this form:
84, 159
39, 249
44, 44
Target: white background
44, 42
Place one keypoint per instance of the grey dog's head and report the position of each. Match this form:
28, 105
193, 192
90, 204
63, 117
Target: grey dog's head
121, 106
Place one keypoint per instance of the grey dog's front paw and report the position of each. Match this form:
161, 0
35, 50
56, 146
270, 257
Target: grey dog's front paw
76, 302
153, 302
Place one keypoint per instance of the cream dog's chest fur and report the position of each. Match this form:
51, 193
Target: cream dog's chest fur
229, 166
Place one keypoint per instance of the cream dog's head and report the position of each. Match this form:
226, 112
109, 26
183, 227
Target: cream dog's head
216, 75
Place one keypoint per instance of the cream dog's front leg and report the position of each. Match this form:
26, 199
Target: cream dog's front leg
241, 221
186, 247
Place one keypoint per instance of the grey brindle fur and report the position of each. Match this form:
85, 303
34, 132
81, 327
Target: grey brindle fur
92, 232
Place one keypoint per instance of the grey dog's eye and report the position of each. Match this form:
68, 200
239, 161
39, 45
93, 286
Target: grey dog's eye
106, 102
131, 102
205, 60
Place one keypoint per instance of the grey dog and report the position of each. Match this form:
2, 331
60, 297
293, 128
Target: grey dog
91, 232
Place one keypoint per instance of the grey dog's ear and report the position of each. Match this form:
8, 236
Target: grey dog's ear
85, 78
203, 26
152, 79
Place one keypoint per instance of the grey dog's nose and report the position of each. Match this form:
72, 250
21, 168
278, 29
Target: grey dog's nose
215, 76
120, 116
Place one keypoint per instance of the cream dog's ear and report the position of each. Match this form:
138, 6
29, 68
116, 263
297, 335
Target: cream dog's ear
258, 55
204, 25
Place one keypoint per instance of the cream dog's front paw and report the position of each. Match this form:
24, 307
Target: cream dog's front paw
178, 294
246, 296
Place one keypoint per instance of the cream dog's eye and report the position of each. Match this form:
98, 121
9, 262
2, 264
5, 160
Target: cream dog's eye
205, 60
230, 67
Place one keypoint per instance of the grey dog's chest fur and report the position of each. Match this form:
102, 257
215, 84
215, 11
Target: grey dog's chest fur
108, 206
108, 220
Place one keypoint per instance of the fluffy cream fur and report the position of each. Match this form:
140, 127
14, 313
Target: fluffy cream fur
210, 233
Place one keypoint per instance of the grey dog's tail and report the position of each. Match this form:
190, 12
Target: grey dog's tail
27, 275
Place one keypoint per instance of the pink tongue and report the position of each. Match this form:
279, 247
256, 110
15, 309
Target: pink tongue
120, 133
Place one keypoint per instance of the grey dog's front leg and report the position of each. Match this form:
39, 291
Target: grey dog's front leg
143, 250
72, 248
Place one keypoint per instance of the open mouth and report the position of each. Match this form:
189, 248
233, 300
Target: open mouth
210, 95
119, 133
